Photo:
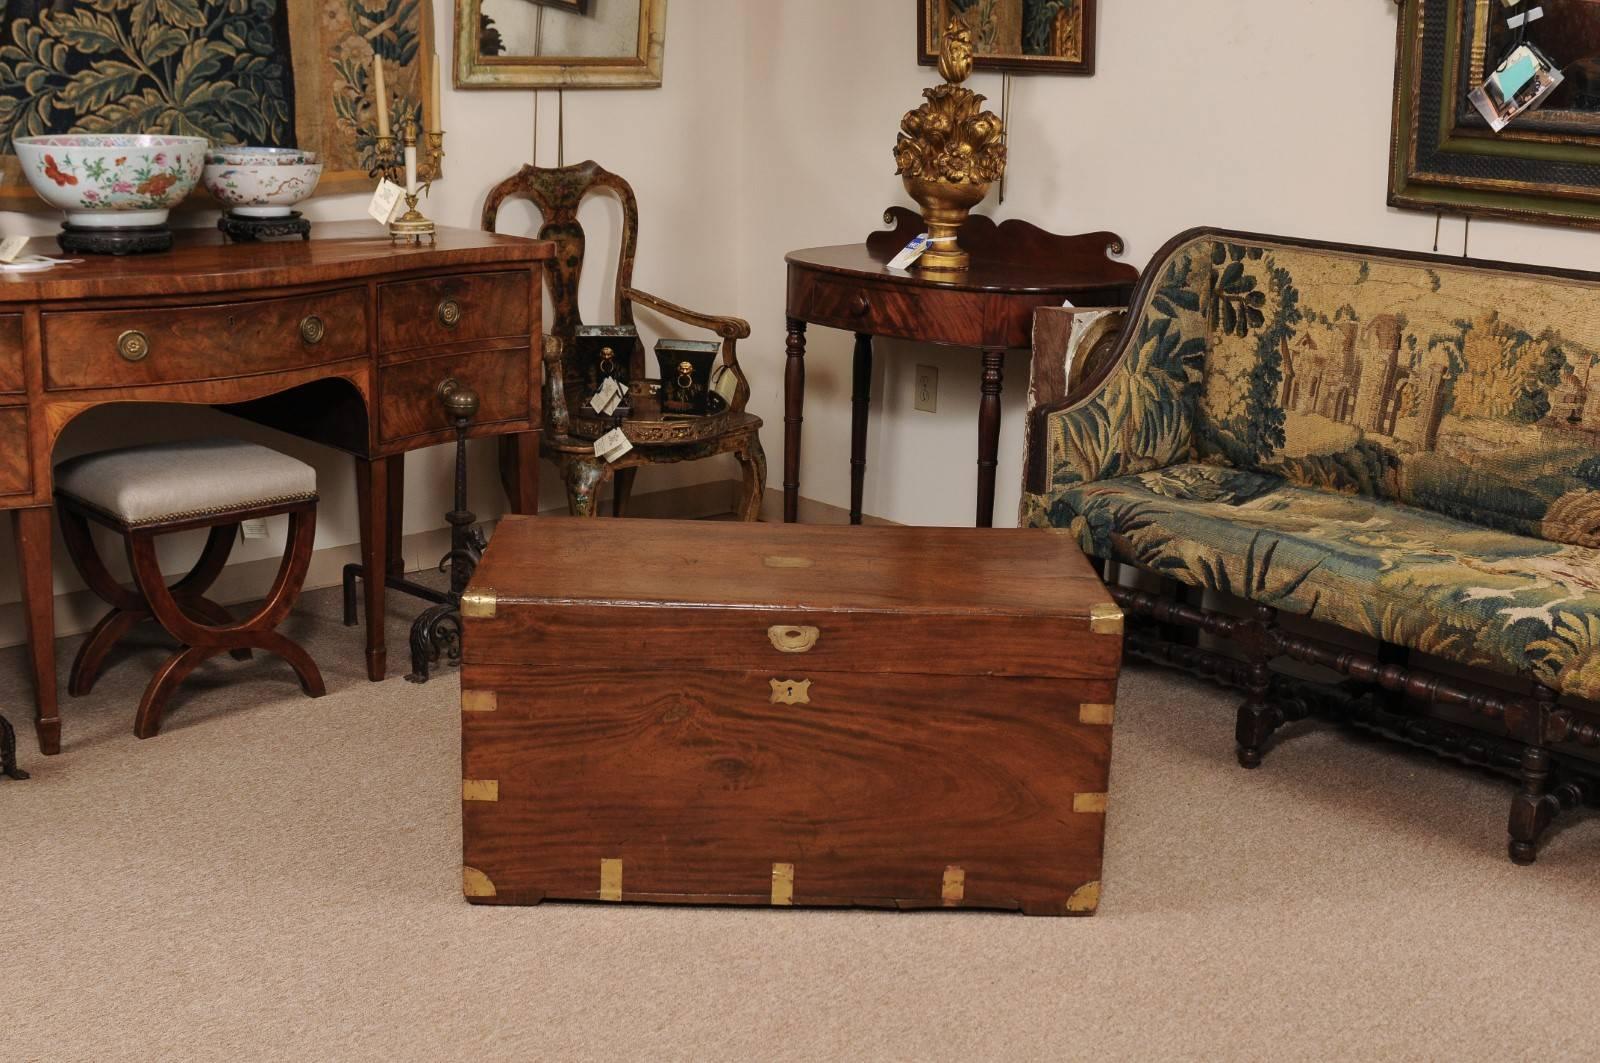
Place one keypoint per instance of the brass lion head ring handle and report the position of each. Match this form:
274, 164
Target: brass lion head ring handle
133, 345
457, 399
449, 313
793, 638
608, 361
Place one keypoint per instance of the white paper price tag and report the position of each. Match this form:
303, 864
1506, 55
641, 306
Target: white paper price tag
608, 398
725, 382
911, 253
385, 202
612, 446
11, 247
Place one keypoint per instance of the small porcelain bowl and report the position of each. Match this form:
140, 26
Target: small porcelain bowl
261, 182
112, 180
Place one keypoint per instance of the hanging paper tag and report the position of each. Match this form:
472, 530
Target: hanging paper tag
608, 398
385, 201
611, 446
911, 253
725, 382
1521, 82
11, 247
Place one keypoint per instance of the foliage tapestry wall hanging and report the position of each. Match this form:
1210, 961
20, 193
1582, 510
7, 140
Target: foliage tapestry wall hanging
286, 73
1035, 36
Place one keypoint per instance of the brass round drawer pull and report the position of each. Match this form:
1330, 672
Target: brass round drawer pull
312, 329
449, 313
133, 345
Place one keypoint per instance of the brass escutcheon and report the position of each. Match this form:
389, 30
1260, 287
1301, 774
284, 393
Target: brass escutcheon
133, 345
790, 638
449, 313
312, 329
791, 691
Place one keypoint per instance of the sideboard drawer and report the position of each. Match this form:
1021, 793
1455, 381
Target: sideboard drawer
440, 310
11, 379
16, 466
408, 394
165, 345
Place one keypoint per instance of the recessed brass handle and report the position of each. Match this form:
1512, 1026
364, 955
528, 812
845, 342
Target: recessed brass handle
312, 329
449, 313
791, 638
133, 345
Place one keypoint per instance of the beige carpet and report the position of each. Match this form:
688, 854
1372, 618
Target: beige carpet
276, 878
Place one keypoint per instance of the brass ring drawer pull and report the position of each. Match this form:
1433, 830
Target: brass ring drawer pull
312, 329
449, 313
791, 638
133, 345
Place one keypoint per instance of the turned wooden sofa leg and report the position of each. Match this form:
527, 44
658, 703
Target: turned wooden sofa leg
1258, 716
1534, 807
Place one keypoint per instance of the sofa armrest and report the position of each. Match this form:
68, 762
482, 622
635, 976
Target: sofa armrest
1071, 345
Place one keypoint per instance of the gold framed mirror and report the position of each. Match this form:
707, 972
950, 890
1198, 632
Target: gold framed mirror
540, 44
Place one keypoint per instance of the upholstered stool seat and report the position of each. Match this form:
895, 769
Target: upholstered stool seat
145, 492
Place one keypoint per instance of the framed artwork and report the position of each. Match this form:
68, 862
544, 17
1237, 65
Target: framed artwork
1545, 164
259, 72
1031, 36
535, 44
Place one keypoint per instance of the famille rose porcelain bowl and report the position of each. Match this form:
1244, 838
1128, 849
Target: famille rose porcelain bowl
261, 182
112, 180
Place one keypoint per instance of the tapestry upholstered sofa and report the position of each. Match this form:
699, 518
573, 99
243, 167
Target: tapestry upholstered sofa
1405, 447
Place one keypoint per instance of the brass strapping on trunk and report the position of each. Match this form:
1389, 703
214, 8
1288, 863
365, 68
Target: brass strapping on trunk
478, 604
782, 884
480, 790
1096, 715
475, 883
479, 701
611, 880
1088, 802
955, 886
1085, 898
1105, 619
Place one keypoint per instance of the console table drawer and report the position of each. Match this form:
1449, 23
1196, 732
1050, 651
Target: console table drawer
123, 348
440, 310
11, 379
408, 394
858, 307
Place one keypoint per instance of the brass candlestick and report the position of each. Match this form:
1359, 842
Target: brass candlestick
949, 152
389, 164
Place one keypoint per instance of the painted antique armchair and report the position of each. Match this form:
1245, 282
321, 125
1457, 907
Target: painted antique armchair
557, 193
1406, 447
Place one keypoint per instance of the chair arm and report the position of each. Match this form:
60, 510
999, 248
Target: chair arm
729, 328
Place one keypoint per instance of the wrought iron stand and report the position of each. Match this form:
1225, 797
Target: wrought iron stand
436, 633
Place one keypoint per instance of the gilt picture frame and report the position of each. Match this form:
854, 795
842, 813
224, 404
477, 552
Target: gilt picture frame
1543, 167
1019, 36
268, 73
499, 44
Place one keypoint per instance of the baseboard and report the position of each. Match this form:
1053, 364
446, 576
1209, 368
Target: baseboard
247, 581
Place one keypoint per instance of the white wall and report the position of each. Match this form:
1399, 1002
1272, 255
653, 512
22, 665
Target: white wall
676, 145
1271, 117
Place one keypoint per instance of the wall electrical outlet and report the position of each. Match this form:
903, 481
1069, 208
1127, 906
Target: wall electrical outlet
254, 529
927, 397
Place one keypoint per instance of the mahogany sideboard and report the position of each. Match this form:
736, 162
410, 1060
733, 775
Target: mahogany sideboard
343, 339
1016, 269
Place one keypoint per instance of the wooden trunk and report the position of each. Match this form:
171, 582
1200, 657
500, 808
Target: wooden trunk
752, 714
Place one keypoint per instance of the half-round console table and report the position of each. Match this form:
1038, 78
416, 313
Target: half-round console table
343, 339
1016, 268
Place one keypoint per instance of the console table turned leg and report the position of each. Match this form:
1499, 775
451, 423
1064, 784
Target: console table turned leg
32, 528
794, 399
860, 402
994, 362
